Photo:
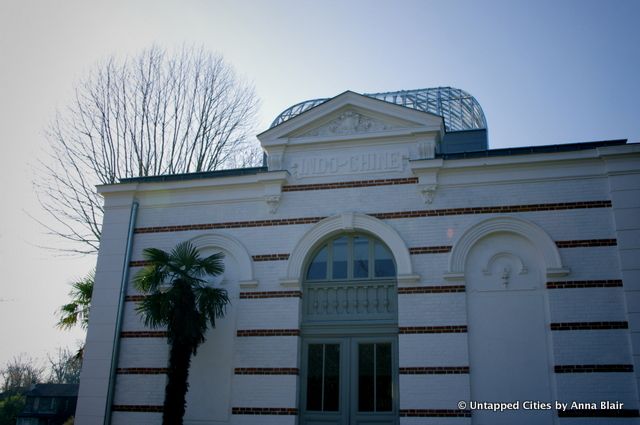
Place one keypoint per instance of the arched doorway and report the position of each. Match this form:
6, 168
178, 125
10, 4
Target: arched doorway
349, 333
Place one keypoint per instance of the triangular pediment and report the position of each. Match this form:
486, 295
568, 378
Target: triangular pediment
348, 121
351, 115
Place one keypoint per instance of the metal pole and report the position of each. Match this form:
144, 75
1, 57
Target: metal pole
115, 352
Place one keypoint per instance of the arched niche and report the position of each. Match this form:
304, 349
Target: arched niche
349, 222
235, 249
532, 232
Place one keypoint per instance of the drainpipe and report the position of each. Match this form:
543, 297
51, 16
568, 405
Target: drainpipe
115, 352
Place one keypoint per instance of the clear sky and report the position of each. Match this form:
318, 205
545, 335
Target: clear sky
544, 72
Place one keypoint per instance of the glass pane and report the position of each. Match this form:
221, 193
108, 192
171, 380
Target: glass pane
340, 258
383, 378
318, 268
360, 257
365, 378
314, 377
332, 378
384, 266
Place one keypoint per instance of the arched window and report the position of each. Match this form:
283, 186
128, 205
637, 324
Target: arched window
351, 257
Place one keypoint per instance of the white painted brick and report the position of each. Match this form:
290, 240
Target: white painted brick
597, 387
128, 390
435, 421
269, 313
264, 391
137, 418
591, 347
417, 350
143, 352
432, 309
433, 391
591, 263
587, 305
262, 420
273, 351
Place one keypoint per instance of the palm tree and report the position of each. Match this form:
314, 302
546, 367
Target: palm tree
179, 299
77, 311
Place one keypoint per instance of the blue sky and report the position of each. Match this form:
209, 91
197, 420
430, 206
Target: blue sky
545, 72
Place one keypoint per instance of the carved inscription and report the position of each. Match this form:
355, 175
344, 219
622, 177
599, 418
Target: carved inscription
348, 164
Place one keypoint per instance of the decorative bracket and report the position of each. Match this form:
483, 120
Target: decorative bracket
273, 202
273, 182
428, 192
427, 173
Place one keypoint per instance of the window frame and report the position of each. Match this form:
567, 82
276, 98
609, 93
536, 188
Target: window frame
328, 244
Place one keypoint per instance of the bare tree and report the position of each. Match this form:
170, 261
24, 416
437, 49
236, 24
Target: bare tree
64, 367
152, 114
19, 373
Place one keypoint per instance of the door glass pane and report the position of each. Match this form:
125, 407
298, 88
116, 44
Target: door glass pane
314, 377
318, 268
383, 378
384, 266
340, 258
365, 377
360, 257
331, 378
323, 378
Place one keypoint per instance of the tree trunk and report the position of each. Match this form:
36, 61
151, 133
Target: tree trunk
177, 384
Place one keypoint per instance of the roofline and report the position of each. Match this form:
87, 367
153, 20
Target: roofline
566, 147
524, 150
196, 176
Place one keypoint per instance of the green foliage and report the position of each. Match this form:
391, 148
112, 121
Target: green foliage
180, 299
77, 311
10, 407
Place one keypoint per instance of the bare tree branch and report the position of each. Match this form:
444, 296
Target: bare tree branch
149, 115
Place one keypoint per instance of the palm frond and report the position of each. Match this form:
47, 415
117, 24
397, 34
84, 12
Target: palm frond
211, 302
155, 309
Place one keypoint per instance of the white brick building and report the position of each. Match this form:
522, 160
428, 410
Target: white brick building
382, 269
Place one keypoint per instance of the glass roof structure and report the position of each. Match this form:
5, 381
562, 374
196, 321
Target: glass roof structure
460, 110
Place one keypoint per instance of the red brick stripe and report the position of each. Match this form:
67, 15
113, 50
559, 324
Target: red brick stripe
494, 209
230, 225
135, 298
270, 257
431, 289
142, 370
264, 411
266, 371
580, 326
382, 216
438, 413
345, 185
268, 332
143, 334
599, 413
136, 408
139, 263
593, 368
429, 249
271, 294
433, 329
434, 370
586, 243
612, 283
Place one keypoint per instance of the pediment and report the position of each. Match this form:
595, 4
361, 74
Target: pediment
351, 115
349, 121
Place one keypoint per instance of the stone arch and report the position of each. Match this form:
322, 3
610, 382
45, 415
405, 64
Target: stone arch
349, 222
233, 247
532, 232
